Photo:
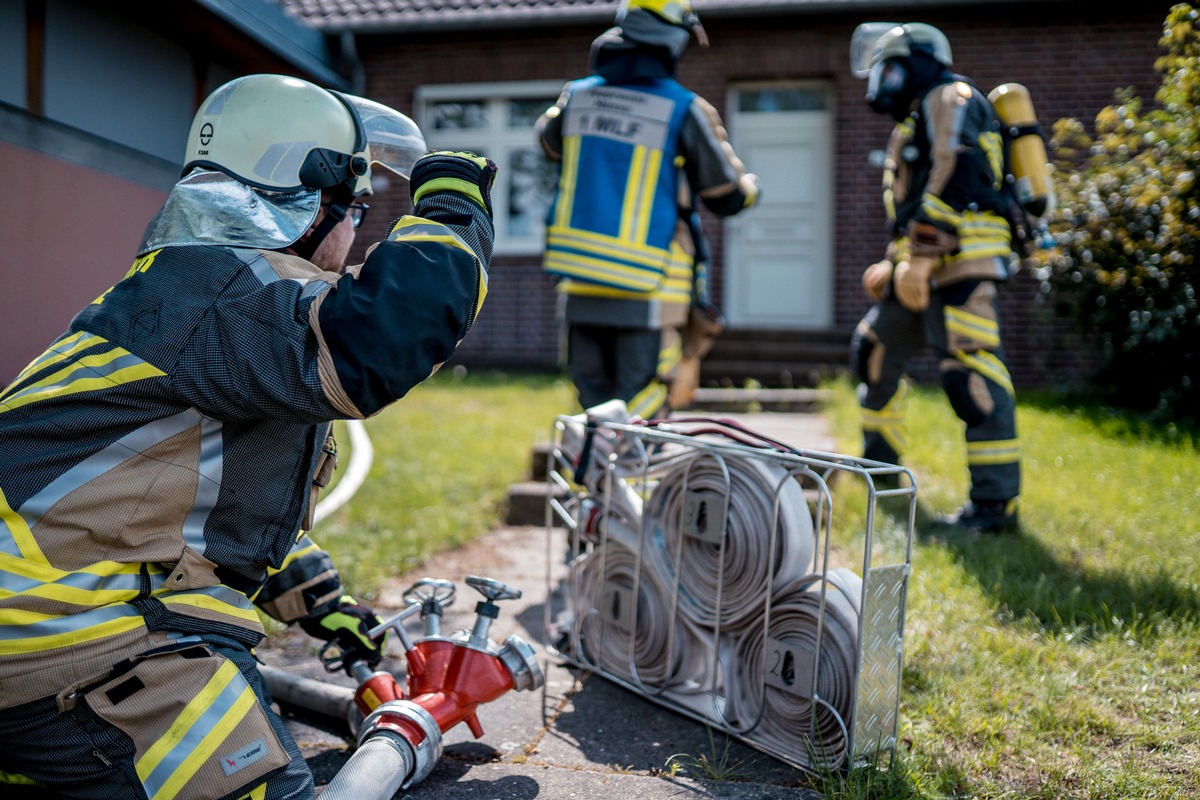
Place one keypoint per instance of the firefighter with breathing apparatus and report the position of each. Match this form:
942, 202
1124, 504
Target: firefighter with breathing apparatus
162, 458
949, 207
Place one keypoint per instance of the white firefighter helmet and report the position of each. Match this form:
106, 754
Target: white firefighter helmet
873, 42
285, 134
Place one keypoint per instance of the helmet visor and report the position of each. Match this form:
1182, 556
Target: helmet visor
862, 45
393, 140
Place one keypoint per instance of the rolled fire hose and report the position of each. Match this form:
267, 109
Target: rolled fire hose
771, 676
630, 633
733, 527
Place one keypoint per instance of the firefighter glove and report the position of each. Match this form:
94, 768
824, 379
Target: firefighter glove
875, 279
461, 172
911, 282
347, 624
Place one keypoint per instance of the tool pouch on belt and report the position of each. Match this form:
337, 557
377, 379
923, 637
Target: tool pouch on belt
197, 726
322, 475
930, 241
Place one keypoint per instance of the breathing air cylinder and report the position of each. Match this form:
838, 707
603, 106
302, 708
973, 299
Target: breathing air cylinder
1027, 151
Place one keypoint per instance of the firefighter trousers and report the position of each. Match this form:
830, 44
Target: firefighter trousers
962, 327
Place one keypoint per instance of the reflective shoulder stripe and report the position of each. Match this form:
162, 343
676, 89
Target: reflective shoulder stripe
62, 349
89, 373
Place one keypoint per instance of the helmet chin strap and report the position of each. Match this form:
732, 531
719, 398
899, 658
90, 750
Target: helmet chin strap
333, 217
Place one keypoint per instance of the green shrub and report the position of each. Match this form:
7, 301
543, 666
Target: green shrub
1127, 234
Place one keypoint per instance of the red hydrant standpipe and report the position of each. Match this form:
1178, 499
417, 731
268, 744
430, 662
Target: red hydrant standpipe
449, 678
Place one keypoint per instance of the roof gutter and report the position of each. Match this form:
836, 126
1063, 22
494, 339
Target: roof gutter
474, 19
302, 46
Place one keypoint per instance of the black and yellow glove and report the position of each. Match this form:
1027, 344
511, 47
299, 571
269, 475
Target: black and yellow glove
461, 172
348, 624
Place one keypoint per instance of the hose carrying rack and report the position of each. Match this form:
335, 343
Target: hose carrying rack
700, 577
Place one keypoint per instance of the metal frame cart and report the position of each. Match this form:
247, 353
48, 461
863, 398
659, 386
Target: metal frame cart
701, 577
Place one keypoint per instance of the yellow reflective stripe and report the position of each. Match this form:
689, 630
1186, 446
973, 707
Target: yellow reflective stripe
1005, 451
670, 356
303, 547
992, 145
567, 181
418, 229
181, 731
989, 366
18, 531
937, 209
648, 400
640, 193
648, 193
977, 250
51, 587
982, 224
72, 636
888, 421
602, 271
208, 603
483, 289
62, 382
17, 779
61, 350
602, 244
631, 204
981, 329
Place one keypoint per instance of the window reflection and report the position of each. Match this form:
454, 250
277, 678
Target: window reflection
793, 98
531, 185
464, 114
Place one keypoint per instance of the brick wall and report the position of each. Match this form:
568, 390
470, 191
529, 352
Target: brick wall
1071, 56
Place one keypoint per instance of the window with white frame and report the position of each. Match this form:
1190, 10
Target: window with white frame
497, 120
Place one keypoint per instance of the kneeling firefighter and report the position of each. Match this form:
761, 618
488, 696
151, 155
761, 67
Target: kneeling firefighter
161, 459
944, 194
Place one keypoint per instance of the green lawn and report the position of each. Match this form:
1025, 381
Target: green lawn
1060, 662
1057, 663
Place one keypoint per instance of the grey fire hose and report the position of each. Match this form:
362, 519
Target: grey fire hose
377, 769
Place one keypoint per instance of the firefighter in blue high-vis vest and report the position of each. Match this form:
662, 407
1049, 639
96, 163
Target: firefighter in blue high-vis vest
161, 459
635, 148
937, 285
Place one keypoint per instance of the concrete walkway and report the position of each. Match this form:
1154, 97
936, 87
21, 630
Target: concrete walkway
580, 736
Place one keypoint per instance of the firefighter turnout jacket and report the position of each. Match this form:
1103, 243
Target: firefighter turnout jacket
632, 156
159, 458
944, 169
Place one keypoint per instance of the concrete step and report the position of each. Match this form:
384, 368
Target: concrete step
527, 502
776, 359
758, 399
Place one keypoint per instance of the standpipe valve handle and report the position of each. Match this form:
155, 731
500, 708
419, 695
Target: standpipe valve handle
487, 610
432, 595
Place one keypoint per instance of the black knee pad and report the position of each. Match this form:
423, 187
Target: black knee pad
956, 384
861, 347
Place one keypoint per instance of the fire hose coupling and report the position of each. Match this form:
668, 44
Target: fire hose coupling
521, 662
403, 723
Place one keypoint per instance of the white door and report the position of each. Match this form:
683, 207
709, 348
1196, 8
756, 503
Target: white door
779, 254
